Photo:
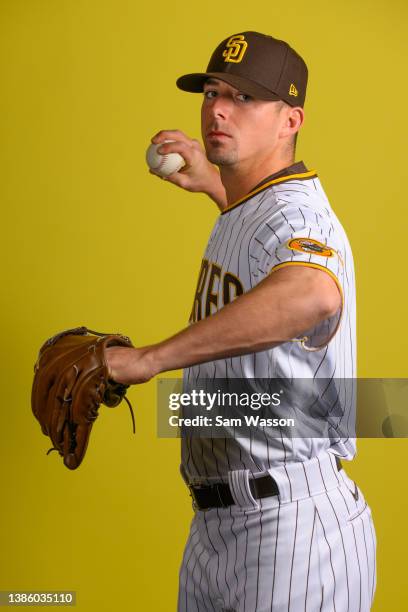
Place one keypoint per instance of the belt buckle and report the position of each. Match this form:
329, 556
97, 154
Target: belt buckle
193, 497
212, 487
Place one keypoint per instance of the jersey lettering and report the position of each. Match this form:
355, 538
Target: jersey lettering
221, 289
196, 310
212, 298
231, 284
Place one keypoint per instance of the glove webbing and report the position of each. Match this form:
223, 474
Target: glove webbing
72, 427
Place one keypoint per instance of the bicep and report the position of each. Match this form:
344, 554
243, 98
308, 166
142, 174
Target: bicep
303, 281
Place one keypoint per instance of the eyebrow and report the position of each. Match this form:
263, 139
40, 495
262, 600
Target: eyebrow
211, 81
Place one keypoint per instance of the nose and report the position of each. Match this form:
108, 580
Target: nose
220, 107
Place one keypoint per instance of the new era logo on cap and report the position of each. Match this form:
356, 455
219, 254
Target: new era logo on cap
293, 91
256, 64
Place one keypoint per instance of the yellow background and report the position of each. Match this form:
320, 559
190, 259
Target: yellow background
89, 237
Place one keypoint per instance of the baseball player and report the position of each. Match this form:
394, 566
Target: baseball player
278, 525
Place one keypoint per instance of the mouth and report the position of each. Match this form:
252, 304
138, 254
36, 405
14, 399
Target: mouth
217, 134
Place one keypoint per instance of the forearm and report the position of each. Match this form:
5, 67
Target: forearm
216, 191
260, 319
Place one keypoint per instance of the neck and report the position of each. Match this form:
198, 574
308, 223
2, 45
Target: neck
240, 179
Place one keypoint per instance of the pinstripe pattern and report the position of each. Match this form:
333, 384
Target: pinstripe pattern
249, 241
316, 552
313, 547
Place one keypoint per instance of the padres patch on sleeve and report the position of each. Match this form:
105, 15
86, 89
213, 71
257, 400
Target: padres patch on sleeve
311, 246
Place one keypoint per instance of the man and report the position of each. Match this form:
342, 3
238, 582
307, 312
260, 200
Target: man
278, 525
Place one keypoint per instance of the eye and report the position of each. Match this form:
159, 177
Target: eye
210, 94
244, 97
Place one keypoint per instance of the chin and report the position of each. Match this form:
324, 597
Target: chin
222, 158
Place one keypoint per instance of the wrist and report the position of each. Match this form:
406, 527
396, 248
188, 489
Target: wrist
216, 190
153, 361
165, 356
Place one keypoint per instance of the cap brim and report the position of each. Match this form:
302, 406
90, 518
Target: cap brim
194, 83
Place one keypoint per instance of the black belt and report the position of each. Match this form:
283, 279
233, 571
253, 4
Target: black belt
218, 495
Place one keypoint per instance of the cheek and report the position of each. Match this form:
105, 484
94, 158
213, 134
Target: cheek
259, 133
203, 124
204, 116
264, 130
205, 110
202, 121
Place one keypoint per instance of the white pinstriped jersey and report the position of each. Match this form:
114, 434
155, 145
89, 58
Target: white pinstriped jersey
285, 221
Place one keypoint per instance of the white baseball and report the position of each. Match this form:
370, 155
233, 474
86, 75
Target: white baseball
164, 165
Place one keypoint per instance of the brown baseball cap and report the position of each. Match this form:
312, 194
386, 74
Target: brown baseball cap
256, 64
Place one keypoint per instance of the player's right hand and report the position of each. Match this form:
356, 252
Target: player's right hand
198, 175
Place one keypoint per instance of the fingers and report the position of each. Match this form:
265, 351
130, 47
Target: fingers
184, 149
176, 135
170, 135
198, 173
196, 144
177, 178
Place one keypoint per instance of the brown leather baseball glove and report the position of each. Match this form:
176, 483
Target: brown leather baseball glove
70, 382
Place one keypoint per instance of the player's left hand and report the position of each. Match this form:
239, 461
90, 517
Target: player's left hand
129, 366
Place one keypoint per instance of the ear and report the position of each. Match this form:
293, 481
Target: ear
294, 118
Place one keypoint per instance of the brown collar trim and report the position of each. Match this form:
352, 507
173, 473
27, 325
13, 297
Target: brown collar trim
296, 168
284, 176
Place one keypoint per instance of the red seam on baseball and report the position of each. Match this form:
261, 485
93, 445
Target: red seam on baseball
162, 161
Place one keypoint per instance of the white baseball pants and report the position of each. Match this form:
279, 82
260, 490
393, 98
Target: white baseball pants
310, 549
